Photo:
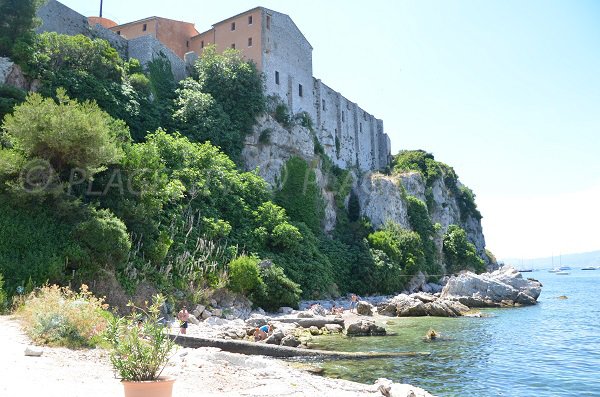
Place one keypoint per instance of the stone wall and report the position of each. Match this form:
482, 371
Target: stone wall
147, 48
350, 136
286, 51
56, 17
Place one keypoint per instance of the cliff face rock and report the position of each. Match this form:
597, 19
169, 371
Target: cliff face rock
277, 145
270, 146
11, 74
380, 200
383, 198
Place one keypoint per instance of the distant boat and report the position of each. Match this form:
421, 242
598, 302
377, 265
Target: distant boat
555, 270
526, 270
589, 268
564, 268
562, 273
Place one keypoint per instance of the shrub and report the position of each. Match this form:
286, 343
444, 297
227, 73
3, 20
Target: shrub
286, 236
282, 116
278, 290
9, 98
106, 238
201, 118
140, 347
17, 24
235, 84
459, 252
420, 222
34, 244
397, 254
300, 195
58, 316
244, 274
69, 135
265, 136
2, 295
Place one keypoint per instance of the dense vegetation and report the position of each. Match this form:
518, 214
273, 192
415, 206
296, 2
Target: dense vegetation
432, 171
115, 167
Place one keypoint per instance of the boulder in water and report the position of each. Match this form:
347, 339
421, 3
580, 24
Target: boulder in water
364, 308
490, 289
365, 328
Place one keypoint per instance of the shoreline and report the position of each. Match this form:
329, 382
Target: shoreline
61, 372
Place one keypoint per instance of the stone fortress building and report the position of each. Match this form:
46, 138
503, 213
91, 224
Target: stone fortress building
350, 136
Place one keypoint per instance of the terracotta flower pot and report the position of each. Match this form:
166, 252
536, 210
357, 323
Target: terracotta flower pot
163, 387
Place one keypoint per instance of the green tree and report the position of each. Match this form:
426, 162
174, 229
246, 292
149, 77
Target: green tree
17, 24
90, 69
278, 290
397, 254
234, 83
201, 118
459, 252
420, 222
68, 134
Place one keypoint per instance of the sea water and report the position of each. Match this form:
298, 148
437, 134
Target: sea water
550, 349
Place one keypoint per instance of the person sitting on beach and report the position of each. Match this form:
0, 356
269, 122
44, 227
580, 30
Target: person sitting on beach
336, 310
263, 332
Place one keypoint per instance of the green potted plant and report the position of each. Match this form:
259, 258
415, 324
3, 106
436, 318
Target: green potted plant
140, 349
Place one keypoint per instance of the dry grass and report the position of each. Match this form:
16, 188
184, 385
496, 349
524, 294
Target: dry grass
59, 316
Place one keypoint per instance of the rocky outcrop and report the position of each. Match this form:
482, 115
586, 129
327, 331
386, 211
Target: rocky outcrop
380, 200
364, 308
270, 146
421, 304
503, 287
365, 328
11, 74
383, 198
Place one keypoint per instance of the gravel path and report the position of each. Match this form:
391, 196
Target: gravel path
61, 372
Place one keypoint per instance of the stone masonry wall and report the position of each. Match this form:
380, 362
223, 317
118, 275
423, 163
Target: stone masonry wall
286, 50
56, 17
147, 48
361, 141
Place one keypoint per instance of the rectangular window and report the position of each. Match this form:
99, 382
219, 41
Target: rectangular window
250, 20
233, 46
360, 127
187, 43
249, 41
268, 22
144, 27
365, 115
277, 77
119, 32
232, 26
343, 116
300, 90
202, 44
323, 103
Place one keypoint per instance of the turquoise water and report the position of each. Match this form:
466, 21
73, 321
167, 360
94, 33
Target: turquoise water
551, 349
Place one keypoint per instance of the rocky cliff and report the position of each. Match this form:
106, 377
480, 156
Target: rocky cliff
384, 197
381, 197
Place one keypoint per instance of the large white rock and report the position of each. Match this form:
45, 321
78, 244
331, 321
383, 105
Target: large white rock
380, 200
391, 389
491, 289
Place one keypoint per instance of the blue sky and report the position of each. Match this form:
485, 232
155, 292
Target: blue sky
507, 92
